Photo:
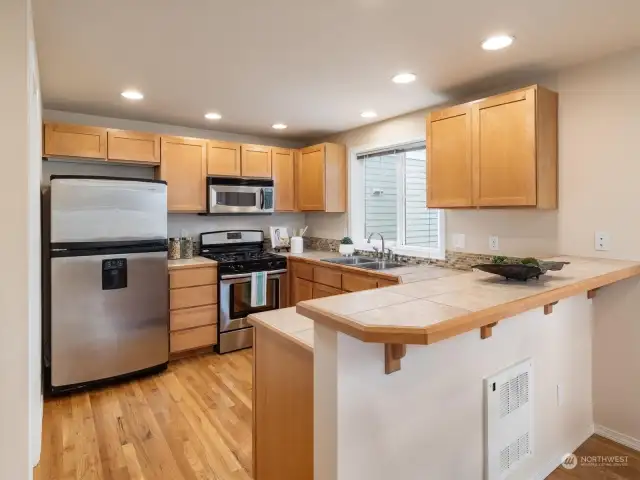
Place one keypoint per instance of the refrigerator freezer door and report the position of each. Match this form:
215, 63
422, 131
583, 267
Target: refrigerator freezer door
105, 210
109, 316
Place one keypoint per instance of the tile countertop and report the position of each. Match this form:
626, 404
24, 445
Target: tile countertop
288, 323
407, 274
433, 309
195, 262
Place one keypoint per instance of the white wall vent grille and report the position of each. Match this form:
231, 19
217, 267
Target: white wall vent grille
508, 420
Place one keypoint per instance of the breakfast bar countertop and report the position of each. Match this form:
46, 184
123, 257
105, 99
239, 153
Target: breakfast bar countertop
287, 323
433, 309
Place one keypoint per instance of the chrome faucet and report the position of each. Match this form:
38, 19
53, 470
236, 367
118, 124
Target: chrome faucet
379, 254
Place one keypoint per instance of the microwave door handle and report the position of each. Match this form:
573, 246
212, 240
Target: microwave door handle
262, 199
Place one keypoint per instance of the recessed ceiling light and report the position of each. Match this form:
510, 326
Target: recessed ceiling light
279, 126
132, 95
404, 78
368, 114
498, 42
213, 116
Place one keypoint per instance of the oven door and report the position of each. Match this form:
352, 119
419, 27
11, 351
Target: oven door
235, 199
235, 299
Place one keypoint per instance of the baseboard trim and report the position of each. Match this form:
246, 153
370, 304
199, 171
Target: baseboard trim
618, 437
553, 464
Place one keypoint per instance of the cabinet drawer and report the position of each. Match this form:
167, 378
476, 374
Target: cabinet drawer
192, 277
321, 291
193, 317
355, 283
386, 283
193, 296
302, 270
327, 276
193, 338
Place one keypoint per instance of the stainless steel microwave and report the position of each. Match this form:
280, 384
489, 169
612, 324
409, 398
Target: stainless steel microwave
228, 195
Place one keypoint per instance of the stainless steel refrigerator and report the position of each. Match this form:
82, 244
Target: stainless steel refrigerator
105, 280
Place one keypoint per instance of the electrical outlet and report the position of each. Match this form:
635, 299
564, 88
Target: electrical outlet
459, 240
494, 244
602, 241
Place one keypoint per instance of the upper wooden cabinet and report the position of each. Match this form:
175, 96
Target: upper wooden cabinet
65, 140
321, 178
497, 152
127, 146
256, 161
449, 145
183, 165
223, 159
282, 171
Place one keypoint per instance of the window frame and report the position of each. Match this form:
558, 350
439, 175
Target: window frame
356, 221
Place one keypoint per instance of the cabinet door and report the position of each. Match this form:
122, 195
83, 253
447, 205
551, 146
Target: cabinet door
504, 158
449, 157
301, 290
223, 158
183, 165
321, 291
282, 172
64, 140
310, 175
138, 147
256, 161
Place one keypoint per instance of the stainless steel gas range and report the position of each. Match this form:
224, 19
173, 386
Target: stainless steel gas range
239, 253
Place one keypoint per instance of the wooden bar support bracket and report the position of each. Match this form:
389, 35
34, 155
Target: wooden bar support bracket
487, 330
393, 353
548, 308
591, 293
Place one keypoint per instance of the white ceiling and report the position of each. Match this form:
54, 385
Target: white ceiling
312, 64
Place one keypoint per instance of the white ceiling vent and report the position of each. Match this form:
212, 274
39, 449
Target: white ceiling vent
508, 421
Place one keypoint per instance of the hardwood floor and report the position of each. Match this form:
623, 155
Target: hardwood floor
593, 470
193, 422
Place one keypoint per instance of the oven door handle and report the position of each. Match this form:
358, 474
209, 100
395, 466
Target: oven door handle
247, 275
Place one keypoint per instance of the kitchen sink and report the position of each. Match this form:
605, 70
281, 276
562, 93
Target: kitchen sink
364, 262
355, 261
381, 265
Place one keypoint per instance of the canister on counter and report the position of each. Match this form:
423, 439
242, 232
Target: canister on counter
186, 250
174, 248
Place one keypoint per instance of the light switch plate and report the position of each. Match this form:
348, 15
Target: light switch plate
602, 241
494, 243
459, 240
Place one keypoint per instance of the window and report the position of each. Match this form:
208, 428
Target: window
389, 196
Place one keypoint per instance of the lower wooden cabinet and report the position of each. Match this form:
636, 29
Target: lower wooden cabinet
193, 298
301, 290
309, 281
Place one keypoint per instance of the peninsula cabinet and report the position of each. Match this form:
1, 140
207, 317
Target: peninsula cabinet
500, 151
183, 165
66, 140
283, 174
321, 178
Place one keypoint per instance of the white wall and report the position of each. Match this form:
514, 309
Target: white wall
426, 420
20, 379
190, 224
599, 172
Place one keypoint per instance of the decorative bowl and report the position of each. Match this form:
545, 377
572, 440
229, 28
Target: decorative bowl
519, 271
516, 271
